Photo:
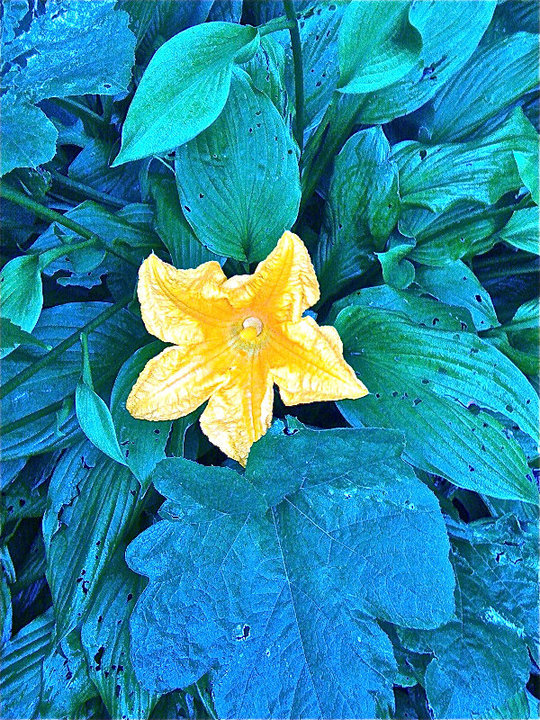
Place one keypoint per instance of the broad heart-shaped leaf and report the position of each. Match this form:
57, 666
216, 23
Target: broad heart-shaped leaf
361, 210
22, 660
483, 170
184, 88
172, 227
480, 90
238, 180
28, 136
450, 34
22, 292
54, 425
481, 657
143, 443
12, 336
521, 230
429, 383
106, 640
254, 598
378, 45
91, 506
59, 51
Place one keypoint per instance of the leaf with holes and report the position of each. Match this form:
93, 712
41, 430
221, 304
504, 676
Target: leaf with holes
435, 385
252, 596
239, 181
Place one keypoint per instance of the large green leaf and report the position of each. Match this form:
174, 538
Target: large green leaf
378, 45
57, 56
253, 598
480, 90
106, 639
172, 227
28, 136
267, 72
521, 230
109, 345
483, 170
239, 181
450, 33
361, 210
92, 501
22, 660
429, 383
22, 292
481, 657
184, 88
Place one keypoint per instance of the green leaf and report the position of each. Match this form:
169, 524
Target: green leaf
480, 90
521, 230
527, 163
461, 231
268, 588
456, 284
267, 70
22, 660
92, 503
450, 34
12, 336
28, 136
398, 272
184, 88
378, 45
172, 227
107, 643
96, 422
361, 210
22, 291
66, 685
239, 181
143, 443
109, 345
437, 177
59, 51
495, 562
429, 383
220, 489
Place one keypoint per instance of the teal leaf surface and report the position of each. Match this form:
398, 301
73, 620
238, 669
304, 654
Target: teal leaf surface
253, 597
430, 383
184, 88
238, 180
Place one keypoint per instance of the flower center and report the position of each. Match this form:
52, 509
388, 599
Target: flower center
252, 328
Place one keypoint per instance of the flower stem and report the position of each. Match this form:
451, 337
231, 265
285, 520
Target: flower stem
86, 191
19, 198
31, 370
298, 72
81, 111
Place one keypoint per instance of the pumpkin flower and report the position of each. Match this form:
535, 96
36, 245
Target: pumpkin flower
232, 339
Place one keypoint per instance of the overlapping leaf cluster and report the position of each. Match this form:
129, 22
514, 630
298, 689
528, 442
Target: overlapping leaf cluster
378, 557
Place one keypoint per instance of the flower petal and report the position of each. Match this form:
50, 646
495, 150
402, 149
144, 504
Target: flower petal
240, 411
179, 379
307, 364
176, 305
282, 286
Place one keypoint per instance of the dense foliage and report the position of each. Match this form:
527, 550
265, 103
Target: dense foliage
378, 557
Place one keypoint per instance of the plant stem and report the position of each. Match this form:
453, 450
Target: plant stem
81, 111
86, 191
31, 370
298, 73
19, 198
275, 25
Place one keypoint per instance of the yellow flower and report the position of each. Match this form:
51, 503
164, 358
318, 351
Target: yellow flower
232, 340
